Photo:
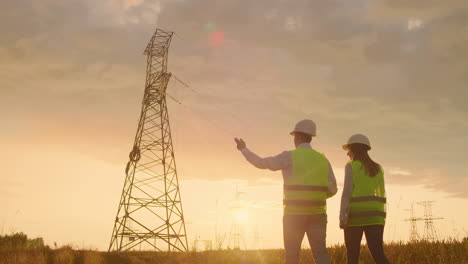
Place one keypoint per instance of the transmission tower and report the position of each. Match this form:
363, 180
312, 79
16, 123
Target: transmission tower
413, 221
429, 230
205, 245
257, 239
150, 213
235, 235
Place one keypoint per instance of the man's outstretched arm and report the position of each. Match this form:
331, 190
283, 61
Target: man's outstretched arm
274, 163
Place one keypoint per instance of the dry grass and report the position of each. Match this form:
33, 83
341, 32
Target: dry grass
443, 252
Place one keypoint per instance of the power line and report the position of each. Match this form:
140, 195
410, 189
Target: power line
218, 109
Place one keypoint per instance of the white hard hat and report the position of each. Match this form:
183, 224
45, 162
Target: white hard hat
357, 138
305, 126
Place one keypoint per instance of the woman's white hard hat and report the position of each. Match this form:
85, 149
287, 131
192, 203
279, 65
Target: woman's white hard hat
357, 138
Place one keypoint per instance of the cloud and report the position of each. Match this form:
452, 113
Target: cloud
387, 11
414, 24
255, 205
10, 189
399, 171
395, 70
124, 12
132, 3
268, 181
377, 72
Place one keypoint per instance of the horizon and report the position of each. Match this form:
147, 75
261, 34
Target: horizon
73, 76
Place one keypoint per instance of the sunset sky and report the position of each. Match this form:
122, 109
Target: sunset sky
72, 77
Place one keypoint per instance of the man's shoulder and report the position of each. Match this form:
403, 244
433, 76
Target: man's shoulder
316, 154
285, 153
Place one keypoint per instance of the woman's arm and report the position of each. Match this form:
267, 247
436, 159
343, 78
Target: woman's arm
346, 195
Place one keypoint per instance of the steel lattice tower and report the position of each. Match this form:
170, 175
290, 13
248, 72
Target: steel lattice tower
429, 230
149, 216
414, 236
235, 236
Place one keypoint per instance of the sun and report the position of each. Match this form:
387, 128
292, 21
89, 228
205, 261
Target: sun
241, 216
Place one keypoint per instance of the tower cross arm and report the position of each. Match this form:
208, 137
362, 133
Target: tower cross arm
160, 41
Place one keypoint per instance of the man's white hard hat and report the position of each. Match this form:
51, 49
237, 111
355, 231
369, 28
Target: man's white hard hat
305, 126
357, 138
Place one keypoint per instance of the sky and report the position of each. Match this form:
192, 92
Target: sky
72, 77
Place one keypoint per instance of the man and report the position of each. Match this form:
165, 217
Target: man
308, 182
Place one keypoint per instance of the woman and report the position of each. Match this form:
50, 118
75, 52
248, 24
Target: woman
363, 201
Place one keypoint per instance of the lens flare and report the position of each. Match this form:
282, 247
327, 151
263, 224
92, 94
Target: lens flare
209, 27
216, 38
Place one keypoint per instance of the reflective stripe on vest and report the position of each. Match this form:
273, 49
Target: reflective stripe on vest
305, 192
367, 214
367, 204
304, 203
305, 188
368, 199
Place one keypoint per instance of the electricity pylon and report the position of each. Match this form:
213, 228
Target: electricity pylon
235, 235
150, 212
257, 239
413, 227
429, 229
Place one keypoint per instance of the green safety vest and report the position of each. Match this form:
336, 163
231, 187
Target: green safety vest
367, 204
305, 192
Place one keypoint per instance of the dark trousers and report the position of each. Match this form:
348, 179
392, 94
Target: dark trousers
294, 229
374, 237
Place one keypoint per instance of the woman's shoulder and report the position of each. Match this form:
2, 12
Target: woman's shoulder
353, 163
381, 168
349, 168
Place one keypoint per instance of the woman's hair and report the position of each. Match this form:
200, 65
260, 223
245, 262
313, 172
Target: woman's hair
360, 153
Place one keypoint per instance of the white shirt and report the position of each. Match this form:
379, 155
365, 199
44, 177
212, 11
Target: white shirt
283, 162
347, 193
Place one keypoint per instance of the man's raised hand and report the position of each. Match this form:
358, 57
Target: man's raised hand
240, 143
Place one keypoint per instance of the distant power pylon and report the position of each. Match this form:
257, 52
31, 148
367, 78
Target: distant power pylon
257, 239
235, 234
149, 216
429, 229
413, 227
219, 238
205, 245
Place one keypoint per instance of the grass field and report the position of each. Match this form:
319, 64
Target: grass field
443, 252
